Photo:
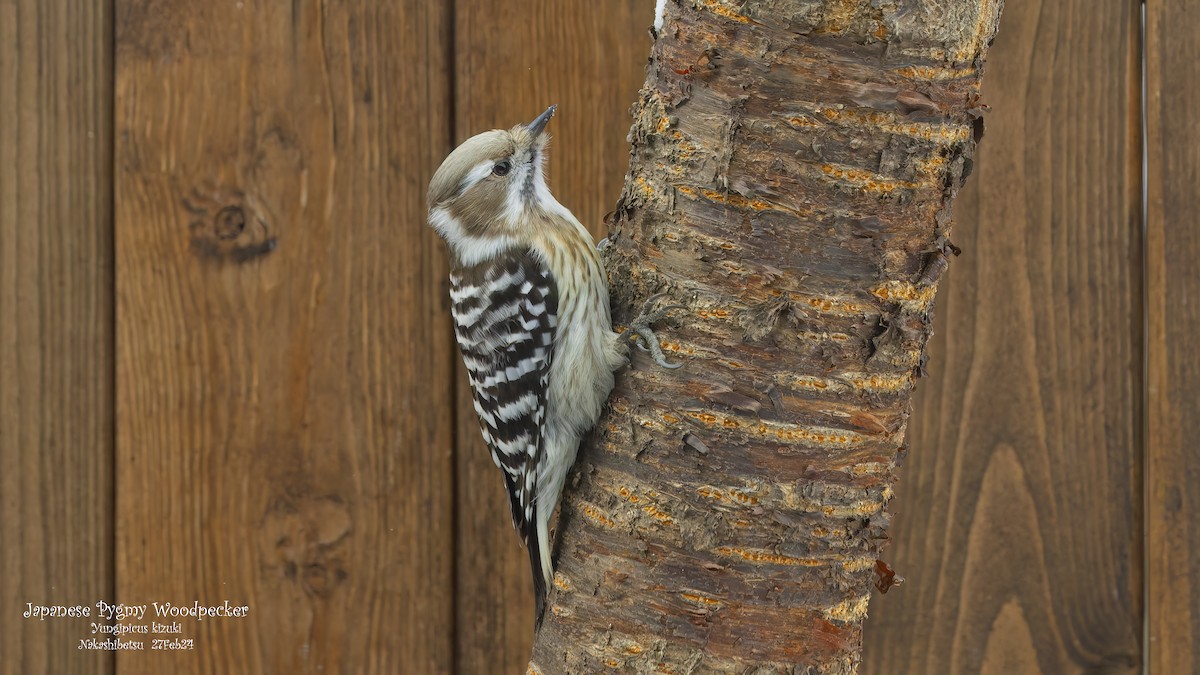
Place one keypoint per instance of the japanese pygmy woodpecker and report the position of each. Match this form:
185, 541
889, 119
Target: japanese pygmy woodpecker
529, 298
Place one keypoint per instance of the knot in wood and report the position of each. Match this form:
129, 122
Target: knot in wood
229, 222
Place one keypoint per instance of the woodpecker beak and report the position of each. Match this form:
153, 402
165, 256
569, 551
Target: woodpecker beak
535, 127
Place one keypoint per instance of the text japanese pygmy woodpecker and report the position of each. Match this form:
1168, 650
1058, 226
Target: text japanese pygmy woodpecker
529, 298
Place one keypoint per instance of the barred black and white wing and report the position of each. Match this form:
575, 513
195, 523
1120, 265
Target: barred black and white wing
505, 318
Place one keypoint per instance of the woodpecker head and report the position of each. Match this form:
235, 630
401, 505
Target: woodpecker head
491, 190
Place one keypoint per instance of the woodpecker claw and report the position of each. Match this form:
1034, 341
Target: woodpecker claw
655, 350
640, 327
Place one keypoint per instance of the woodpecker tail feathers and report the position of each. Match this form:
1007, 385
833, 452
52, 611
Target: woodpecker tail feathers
538, 546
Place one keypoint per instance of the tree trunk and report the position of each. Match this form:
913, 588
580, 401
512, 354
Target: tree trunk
792, 171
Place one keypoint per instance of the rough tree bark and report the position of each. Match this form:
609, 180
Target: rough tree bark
793, 166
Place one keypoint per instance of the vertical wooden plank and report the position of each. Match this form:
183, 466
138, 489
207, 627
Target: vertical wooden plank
1017, 519
284, 400
1173, 280
56, 347
514, 60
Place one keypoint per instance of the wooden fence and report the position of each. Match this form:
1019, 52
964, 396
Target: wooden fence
226, 368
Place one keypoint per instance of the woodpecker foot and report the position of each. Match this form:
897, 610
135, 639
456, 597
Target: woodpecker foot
640, 327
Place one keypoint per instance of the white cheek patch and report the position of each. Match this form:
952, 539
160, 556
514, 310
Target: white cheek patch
471, 250
446, 225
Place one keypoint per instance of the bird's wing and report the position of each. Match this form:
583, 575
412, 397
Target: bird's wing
505, 319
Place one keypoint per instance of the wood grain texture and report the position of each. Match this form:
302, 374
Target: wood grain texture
1018, 512
513, 60
284, 420
56, 345
1173, 279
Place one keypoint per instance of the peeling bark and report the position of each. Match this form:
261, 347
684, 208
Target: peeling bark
792, 169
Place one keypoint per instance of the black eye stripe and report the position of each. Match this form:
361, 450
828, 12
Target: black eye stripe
502, 167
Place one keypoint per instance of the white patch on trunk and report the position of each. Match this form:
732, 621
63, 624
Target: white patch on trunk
660, 10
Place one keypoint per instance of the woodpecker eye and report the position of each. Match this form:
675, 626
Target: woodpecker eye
502, 167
